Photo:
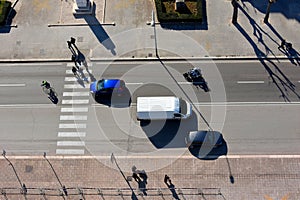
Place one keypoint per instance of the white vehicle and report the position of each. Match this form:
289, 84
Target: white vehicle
161, 108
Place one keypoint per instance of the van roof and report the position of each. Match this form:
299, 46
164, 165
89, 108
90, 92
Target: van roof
166, 103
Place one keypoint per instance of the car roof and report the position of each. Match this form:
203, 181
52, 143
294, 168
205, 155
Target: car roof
111, 83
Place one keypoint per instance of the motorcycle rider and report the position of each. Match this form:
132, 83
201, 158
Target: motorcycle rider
46, 84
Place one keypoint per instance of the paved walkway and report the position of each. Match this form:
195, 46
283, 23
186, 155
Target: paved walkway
225, 178
119, 29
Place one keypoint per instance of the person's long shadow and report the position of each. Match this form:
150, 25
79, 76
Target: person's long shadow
258, 32
172, 189
98, 31
284, 81
291, 54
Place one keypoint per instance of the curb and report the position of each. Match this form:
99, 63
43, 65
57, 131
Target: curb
129, 59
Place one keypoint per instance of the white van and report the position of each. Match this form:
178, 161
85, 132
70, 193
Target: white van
160, 108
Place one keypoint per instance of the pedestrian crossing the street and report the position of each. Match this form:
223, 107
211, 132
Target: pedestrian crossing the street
73, 117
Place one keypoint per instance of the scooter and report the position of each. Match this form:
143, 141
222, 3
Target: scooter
194, 76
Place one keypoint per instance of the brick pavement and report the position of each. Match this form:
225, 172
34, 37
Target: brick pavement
252, 178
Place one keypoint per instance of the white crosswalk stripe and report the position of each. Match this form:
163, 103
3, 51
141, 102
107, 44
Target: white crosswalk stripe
72, 126
75, 101
71, 134
76, 86
75, 109
73, 117
73, 94
70, 143
84, 71
70, 151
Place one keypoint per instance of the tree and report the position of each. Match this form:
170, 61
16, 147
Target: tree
270, 2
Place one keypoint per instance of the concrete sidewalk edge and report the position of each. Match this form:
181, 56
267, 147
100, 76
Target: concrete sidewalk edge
129, 59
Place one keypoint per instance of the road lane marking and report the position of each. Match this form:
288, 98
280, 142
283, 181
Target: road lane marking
73, 117
250, 82
71, 134
73, 64
70, 151
74, 79
75, 101
12, 84
74, 109
74, 94
134, 83
69, 71
70, 143
184, 83
76, 86
72, 125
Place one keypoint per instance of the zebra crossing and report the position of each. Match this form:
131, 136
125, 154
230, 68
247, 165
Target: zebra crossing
74, 113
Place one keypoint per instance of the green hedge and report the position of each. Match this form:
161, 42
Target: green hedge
4, 10
172, 16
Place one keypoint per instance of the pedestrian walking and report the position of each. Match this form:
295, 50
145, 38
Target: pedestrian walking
282, 45
288, 46
74, 70
166, 179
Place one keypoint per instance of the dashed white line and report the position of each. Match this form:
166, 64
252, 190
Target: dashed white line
12, 85
73, 117
70, 151
249, 82
74, 94
70, 143
75, 101
72, 125
74, 109
71, 134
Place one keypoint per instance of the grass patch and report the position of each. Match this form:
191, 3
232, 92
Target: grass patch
192, 11
4, 10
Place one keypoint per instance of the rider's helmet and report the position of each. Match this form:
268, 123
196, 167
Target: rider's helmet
44, 82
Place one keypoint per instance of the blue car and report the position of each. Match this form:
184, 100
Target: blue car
107, 86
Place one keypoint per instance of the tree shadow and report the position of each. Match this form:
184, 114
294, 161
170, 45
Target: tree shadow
282, 83
189, 25
258, 32
6, 28
98, 30
289, 8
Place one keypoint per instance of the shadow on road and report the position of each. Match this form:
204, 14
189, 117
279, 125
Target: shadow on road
281, 81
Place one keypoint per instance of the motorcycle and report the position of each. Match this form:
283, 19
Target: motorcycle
195, 77
52, 95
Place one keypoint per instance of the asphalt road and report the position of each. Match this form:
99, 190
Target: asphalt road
244, 103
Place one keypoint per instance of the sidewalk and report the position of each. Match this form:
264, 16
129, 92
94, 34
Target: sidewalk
251, 178
120, 30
